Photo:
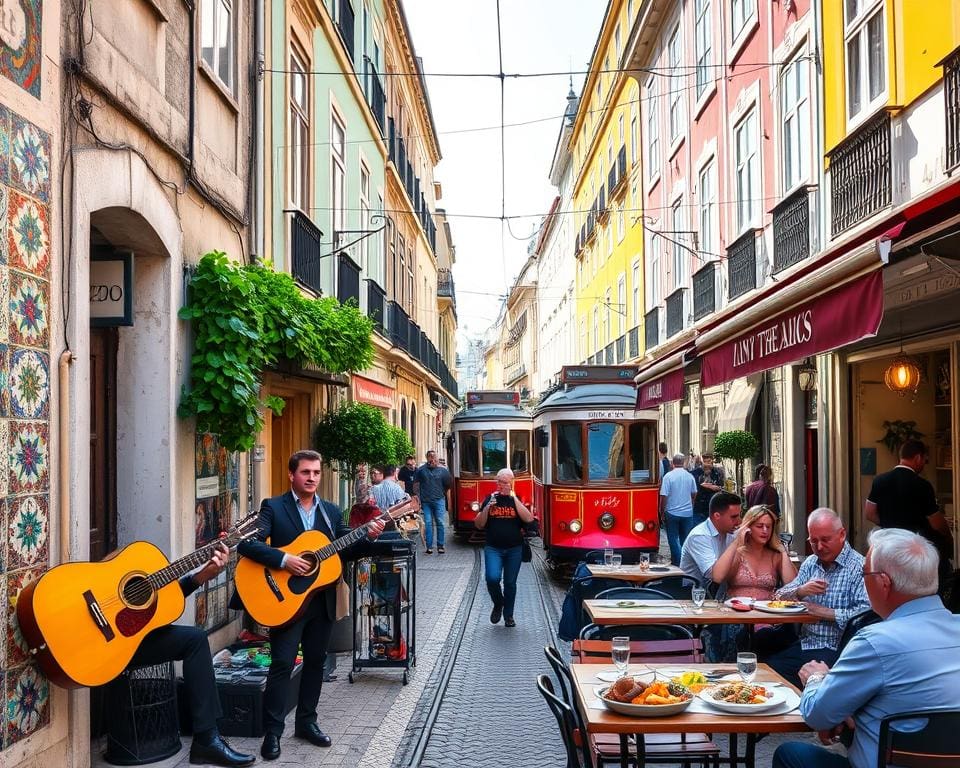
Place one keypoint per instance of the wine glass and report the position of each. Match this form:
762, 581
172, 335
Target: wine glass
644, 561
747, 666
620, 652
608, 557
698, 595
616, 560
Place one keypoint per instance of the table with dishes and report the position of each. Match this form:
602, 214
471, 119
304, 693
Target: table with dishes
686, 699
637, 574
733, 611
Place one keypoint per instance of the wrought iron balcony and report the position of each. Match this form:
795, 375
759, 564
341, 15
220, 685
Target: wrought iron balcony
742, 265
608, 353
514, 373
445, 287
633, 342
951, 95
601, 204
401, 158
345, 24
392, 139
413, 343
376, 96
705, 291
651, 328
376, 305
791, 230
348, 279
399, 326
860, 174
621, 348
305, 252
618, 173
675, 312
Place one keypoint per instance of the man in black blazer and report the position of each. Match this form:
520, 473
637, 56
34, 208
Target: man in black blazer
282, 519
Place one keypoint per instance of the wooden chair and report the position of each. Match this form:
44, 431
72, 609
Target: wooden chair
636, 631
632, 593
603, 748
687, 650
678, 587
935, 745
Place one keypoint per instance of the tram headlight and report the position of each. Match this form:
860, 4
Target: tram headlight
606, 521
475, 506
639, 526
575, 526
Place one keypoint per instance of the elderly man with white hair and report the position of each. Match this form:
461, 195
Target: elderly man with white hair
907, 663
503, 516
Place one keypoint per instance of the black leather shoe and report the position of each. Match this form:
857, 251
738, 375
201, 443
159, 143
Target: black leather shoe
218, 752
271, 747
313, 734
509, 622
495, 614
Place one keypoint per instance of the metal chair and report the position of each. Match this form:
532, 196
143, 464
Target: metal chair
855, 624
934, 745
678, 587
566, 721
677, 650
636, 632
632, 593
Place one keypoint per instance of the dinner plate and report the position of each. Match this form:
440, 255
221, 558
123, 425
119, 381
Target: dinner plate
764, 605
644, 710
745, 600
609, 677
659, 568
776, 698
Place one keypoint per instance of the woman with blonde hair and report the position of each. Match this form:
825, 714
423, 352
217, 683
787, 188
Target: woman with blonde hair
756, 562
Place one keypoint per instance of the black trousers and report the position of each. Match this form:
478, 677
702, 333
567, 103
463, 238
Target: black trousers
312, 631
189, 645
788, 661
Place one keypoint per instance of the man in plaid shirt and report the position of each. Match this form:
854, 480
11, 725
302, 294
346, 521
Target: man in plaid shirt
830, 584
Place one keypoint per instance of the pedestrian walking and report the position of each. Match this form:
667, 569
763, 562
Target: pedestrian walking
665, 465
709, 481
677, 493
432, 484
761, 492
406, 473
503, 516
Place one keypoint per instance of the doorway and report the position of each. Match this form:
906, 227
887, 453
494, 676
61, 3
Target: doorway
289, 433
104, 343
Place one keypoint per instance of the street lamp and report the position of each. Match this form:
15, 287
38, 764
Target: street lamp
807, 376
902, 375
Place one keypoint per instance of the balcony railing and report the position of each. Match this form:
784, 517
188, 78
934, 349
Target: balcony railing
608, 353
621, 349
791, 230
633, 342
445, 287
742, 265
348, 279
675, 312
651, 328
376, 305
860, 174
951, 95
376, 97
345, 23
392, 139
305, 252
617, 173
413, 342
601, 204
399, 326
514, 373
705, 291
401, 158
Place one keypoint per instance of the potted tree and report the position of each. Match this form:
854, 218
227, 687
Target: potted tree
738, 445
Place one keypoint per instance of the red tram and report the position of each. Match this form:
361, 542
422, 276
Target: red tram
490, 429
595, 465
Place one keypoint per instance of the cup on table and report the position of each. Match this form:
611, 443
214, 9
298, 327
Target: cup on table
644, 561
698, 595
620, 652
616, 560
608, 557
747, 666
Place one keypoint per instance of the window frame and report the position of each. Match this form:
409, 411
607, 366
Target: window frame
298, 127
653, 131
213, 66
855, 28
703, 45
680, 256
799, 113
364, 244
338, 184
748, 221
675, 108
707, 207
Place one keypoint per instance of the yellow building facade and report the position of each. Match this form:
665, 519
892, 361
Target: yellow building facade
605, 146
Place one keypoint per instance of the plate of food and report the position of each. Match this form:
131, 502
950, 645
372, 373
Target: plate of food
742, 698
740, 603
638, 698
692, 681
779, 606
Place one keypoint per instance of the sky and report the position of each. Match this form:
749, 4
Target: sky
459, 36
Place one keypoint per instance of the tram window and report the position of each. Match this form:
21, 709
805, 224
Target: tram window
494, 452
520, 451
538, 460
605, 450
469, 453
643, 441
569, 453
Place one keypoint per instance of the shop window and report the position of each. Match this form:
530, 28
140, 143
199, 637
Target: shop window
469, 454
643, 442
520, 451
493, 452
569, 453
605, 450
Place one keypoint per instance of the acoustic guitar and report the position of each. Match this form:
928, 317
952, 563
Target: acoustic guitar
275, 597
83, 622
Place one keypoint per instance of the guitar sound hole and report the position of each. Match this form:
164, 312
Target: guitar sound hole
137, 591
311, 558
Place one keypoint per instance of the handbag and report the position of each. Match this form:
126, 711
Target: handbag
526, 553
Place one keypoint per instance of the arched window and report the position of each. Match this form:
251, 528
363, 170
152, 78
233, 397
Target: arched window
413, 424
403, 416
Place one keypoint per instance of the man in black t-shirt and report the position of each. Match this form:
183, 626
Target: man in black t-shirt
405, 474
901, 498
709, 481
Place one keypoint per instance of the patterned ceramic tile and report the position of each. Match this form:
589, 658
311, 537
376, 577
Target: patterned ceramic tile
28, 531
20, 57
29, 457
29, 317
28, 235
27, 383
4, 204
4, 303
4, 457
29, 158
27, 702
4, 145
4, 380
17, 651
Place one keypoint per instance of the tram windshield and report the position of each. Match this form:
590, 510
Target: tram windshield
469, 453
605, 450
486, 453
493, 451
611, 452
520, 451
569, 453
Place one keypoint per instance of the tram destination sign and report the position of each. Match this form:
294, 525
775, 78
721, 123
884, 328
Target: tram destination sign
491, 397
597, 374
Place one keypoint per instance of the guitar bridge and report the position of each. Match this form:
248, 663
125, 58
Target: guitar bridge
274, 587
98, 617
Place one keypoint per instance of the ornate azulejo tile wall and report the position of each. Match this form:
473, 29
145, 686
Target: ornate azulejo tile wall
24, 405
20, 43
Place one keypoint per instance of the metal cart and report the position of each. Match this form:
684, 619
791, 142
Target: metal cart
382, 605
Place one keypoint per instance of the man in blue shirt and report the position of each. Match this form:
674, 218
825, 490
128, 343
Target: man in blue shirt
677, 492
908, 662
432, 483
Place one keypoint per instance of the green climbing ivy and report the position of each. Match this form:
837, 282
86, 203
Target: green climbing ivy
245, 318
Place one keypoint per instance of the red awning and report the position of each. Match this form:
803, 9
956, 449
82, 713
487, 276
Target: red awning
830, 320
372, 392
663, 389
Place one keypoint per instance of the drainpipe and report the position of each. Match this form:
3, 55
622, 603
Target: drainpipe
66, 358
257, 235
192, 81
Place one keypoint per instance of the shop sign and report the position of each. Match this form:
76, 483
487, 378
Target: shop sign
372, 393
664, 389
111, 289
836, 318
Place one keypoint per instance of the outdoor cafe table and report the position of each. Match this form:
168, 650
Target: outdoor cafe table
598, 719
633, 572
682, 612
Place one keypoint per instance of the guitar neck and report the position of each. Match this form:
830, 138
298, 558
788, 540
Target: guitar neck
184, 565
342, 543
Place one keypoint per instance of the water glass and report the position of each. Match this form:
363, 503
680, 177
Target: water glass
608, 557
620, 651
747, 666
644, 561
698, 595
616, 560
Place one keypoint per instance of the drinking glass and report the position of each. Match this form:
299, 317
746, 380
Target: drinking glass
616, 560
620, 651
747, 666
698, 594
608, 557
644, 561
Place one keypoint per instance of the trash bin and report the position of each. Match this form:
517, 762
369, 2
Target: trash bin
142, 722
